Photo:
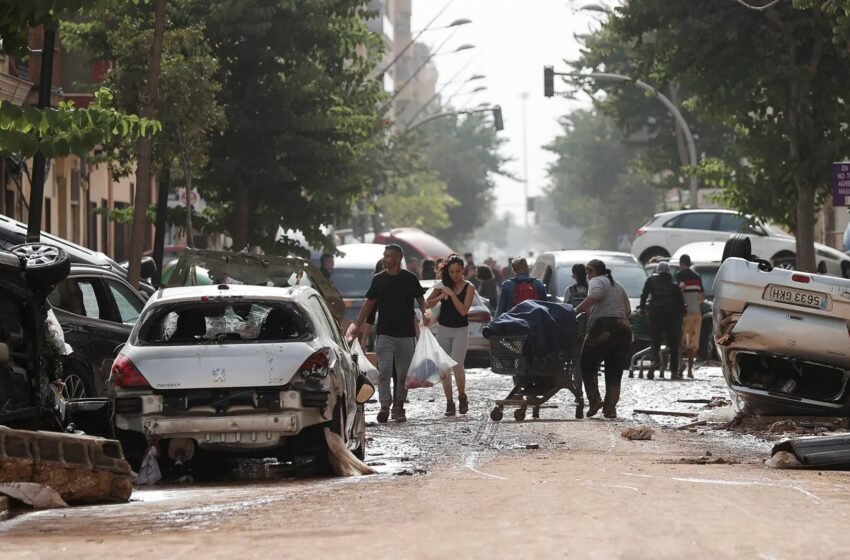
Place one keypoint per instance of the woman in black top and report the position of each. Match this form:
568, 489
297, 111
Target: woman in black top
455, 298
574, 295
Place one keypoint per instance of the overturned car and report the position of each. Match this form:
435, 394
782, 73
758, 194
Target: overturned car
783, 336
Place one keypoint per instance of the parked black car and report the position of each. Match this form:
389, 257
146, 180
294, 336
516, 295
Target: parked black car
14, 233
97, 308
29, 359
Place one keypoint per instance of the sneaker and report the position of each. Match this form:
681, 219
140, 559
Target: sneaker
464, 404
398, 415
450, 408
690, 374
383, 415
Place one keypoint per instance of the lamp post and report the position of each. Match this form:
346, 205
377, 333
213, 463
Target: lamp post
464, 47
397, 57
524, 96
496, 109
444, 86
548, 86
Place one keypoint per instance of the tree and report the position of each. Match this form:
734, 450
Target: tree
301, 107
464, 153
592, 187
187, 105
775, 76
418, 200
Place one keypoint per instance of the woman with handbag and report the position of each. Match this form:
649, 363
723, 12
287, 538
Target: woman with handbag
455, 298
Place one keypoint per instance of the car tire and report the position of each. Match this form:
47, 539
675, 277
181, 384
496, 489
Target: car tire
46, 265
134, 446
785, 261
651, 253
78, 379
738, 246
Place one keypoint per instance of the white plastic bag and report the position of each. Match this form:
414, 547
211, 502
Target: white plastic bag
149, 473
363, 362
430, 364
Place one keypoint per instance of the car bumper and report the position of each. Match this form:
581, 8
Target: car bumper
236, 430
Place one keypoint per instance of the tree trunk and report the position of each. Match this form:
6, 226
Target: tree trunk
806, 228
241, 218
143, 165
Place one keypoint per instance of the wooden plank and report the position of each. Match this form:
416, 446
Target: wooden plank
666, 413
693, 425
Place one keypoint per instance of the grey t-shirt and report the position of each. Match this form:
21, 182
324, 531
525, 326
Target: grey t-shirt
612, 299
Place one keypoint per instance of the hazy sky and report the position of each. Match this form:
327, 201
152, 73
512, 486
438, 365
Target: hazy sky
514, 39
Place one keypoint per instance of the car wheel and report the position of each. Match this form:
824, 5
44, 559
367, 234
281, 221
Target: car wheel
46, 265
77, 382
785, 261
738, 246
651, 253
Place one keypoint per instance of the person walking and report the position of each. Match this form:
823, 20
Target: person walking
394, 291
608, 338
470, 271
429, 269
519, 288
488, 287
455, 298
574, 295
666, 307
692, 290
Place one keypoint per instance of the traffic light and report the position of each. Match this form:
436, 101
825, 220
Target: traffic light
549, 81
497, 117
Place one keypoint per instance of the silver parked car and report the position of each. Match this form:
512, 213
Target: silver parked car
782, 335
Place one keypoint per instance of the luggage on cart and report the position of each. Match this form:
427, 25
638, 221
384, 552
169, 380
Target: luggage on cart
534, 344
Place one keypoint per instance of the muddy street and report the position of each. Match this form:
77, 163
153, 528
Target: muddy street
470, 487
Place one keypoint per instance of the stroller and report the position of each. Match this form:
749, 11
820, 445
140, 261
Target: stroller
534, 343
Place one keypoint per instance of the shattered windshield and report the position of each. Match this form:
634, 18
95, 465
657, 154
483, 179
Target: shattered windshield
220, 322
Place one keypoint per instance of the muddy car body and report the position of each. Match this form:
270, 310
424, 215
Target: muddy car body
783, 338
236, 369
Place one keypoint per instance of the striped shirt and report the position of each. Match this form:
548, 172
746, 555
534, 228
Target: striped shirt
691, 285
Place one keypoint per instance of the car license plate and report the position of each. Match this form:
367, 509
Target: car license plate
795, 296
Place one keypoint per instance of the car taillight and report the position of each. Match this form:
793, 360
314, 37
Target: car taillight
640, 231
480, 317
126, 375
317, 365
801, 278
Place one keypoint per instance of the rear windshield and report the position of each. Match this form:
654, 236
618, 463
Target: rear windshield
632, 278
224, 323
352, 282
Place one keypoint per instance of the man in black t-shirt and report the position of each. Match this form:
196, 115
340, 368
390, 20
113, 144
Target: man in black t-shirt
394, 291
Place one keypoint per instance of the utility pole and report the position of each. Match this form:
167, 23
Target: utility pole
524, 97
39, 164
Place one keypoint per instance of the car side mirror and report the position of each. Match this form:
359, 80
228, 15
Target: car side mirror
4, 354
148, 269
365, 389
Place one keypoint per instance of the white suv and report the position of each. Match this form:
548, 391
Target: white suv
668, 231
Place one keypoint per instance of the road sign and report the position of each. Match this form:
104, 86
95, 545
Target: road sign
841, 183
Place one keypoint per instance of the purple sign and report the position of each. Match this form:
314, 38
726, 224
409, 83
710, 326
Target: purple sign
841, 183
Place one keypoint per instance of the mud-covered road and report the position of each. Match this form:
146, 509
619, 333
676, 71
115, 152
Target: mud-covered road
468, 487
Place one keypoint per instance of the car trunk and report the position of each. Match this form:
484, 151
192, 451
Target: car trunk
218, 366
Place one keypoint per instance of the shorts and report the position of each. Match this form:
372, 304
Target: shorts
691, 326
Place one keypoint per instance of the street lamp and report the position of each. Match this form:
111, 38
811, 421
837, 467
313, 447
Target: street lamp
597, 8
455, 23
496, 109
548, 91
439, 91
464, 47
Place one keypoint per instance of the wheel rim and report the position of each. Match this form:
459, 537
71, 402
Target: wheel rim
38, 254
74, 388
784, 265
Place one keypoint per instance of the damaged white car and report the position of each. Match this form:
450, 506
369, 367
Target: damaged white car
783, 336
237, 369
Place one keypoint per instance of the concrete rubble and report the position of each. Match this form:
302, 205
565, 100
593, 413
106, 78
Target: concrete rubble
79, 468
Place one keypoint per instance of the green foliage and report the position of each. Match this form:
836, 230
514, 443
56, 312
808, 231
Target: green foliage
187, 106
592, 187
17, 17
464, 153
57, 132
300, 105
418, 200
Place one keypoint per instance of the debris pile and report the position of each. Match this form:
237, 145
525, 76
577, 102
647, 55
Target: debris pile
640, 432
